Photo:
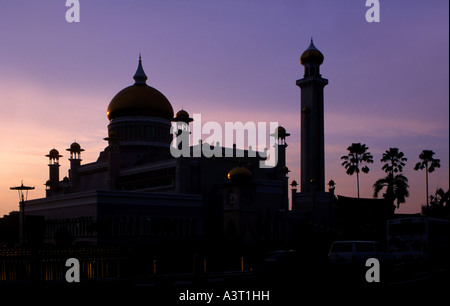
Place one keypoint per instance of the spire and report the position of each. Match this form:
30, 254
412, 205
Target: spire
140, 77
311, 46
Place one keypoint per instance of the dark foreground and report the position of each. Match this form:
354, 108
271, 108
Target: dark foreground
320, 285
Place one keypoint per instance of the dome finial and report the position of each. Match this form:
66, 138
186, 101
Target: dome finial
312, 54
140, 77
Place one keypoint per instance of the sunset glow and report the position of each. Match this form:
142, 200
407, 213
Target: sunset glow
228, 61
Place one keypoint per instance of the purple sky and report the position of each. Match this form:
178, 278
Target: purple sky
229, 61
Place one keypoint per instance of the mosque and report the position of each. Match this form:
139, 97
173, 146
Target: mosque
137, 193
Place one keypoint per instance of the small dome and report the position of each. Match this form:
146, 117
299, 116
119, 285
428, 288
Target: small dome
285, 170
312, 54
183, 116
139, 99
239, 175
75, 147
53, 154
280, 132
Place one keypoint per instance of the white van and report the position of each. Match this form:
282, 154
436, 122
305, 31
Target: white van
350, 252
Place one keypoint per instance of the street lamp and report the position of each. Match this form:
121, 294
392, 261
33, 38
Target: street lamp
23, 196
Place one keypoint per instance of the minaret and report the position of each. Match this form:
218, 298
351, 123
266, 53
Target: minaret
312, 123
280, 135
280, 145
182, 133
75, 162
53, 164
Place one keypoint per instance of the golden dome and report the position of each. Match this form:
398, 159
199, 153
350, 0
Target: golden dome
139, 99
312, 54
239, 174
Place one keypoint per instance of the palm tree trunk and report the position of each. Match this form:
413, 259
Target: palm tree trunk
428, 204
357, 173
390, 189
357, 182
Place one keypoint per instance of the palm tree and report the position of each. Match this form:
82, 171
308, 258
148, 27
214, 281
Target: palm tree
439, 203
440, 198
357, 155
429, 164
396, 183
394, 161
396, 188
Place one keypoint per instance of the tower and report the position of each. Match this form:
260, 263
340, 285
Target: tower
75, 162
280, 145
280, 135
312, 123
53, 164
182, 132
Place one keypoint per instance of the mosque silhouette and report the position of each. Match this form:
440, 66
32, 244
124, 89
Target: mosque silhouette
137, 194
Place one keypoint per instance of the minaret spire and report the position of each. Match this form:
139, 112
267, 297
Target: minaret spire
140, 77
312, 121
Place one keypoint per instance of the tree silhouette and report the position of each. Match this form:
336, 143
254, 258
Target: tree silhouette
394, 161
357, 155
396, 188
396, 183
440, 198
429, 164
439, 203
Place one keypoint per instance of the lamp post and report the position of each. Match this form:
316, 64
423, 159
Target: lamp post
23, 196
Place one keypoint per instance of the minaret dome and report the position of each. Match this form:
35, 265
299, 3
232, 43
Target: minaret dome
311, 55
